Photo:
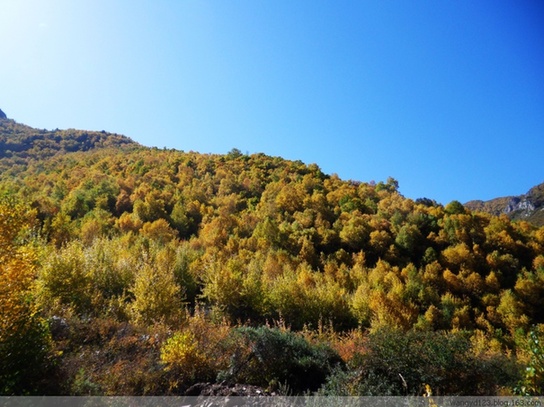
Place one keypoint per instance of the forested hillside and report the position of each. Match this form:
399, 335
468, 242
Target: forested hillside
134, 270
20, 143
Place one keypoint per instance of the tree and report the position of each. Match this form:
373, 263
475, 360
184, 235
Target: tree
157, 296
24, 340
392, 185
159, 231
454, 208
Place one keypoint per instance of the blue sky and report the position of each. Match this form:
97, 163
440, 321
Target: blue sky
445, 97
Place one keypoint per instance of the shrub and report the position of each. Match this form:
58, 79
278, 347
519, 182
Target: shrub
102, 356
181, 350
399, 363
270, 356
63, 279
87, 279
198, 352
532, 383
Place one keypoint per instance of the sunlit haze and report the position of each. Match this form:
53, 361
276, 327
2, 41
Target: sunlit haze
445, 97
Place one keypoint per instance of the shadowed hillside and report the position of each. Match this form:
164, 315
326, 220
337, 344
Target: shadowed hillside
19, 142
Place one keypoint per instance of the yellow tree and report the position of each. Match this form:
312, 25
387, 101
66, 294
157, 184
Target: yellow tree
23, 338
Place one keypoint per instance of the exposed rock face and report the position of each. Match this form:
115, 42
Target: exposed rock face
2, 115
529, 206
519, 204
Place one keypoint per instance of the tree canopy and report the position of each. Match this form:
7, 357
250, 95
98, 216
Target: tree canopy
123, 235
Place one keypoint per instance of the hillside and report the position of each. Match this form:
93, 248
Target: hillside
128, 270
528, 207
20, 144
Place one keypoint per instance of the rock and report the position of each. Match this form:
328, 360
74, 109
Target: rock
223, 390
2, 115
519, 204
59, 328
196, 389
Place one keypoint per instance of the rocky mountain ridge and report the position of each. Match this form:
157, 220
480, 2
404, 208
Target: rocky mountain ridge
528, 207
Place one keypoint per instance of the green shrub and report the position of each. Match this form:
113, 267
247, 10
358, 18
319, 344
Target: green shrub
25, 358
413, 363
532, 383
270, 357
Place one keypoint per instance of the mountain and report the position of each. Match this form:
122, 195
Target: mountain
528, 207
131, 270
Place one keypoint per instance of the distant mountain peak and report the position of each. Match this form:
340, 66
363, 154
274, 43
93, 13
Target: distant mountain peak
529, 206
2, 115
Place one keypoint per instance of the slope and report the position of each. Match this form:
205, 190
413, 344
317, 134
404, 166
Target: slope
21, 144
132, 241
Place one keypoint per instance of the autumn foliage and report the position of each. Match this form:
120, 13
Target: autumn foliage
23, 334
155, 261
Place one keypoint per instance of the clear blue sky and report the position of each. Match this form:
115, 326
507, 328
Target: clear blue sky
445, 96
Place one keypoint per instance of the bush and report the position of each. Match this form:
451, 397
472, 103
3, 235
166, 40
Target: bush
532, 383
25, 358
399, 363
270, 357
198, 352
105, 357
